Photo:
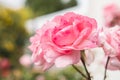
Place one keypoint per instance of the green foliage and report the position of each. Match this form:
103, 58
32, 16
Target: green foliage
12, 33
41, 7
68, 73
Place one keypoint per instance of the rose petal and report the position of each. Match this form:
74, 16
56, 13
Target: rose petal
65, 60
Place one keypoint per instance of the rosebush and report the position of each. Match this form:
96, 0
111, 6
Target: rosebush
68, 39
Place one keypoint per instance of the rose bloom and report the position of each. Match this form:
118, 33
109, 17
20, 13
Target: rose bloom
110, 41
112, 15
60, 40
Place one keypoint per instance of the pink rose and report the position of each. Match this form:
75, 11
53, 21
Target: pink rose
110, 41
112, 15
59, 41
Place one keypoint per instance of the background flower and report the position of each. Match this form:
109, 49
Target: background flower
25, 60
112, 15
4, 67
110, 41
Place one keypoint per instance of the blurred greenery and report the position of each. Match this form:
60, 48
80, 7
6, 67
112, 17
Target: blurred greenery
41, 7
14, 37
13, 34
67, 73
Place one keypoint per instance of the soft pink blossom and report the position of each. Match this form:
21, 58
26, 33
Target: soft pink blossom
60, 40
25, 60
112, 15
110, 41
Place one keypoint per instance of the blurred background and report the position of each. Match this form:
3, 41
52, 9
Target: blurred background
18, 21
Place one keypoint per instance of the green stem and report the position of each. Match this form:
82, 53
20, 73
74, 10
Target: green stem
83, 62
106, 67
79, 71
